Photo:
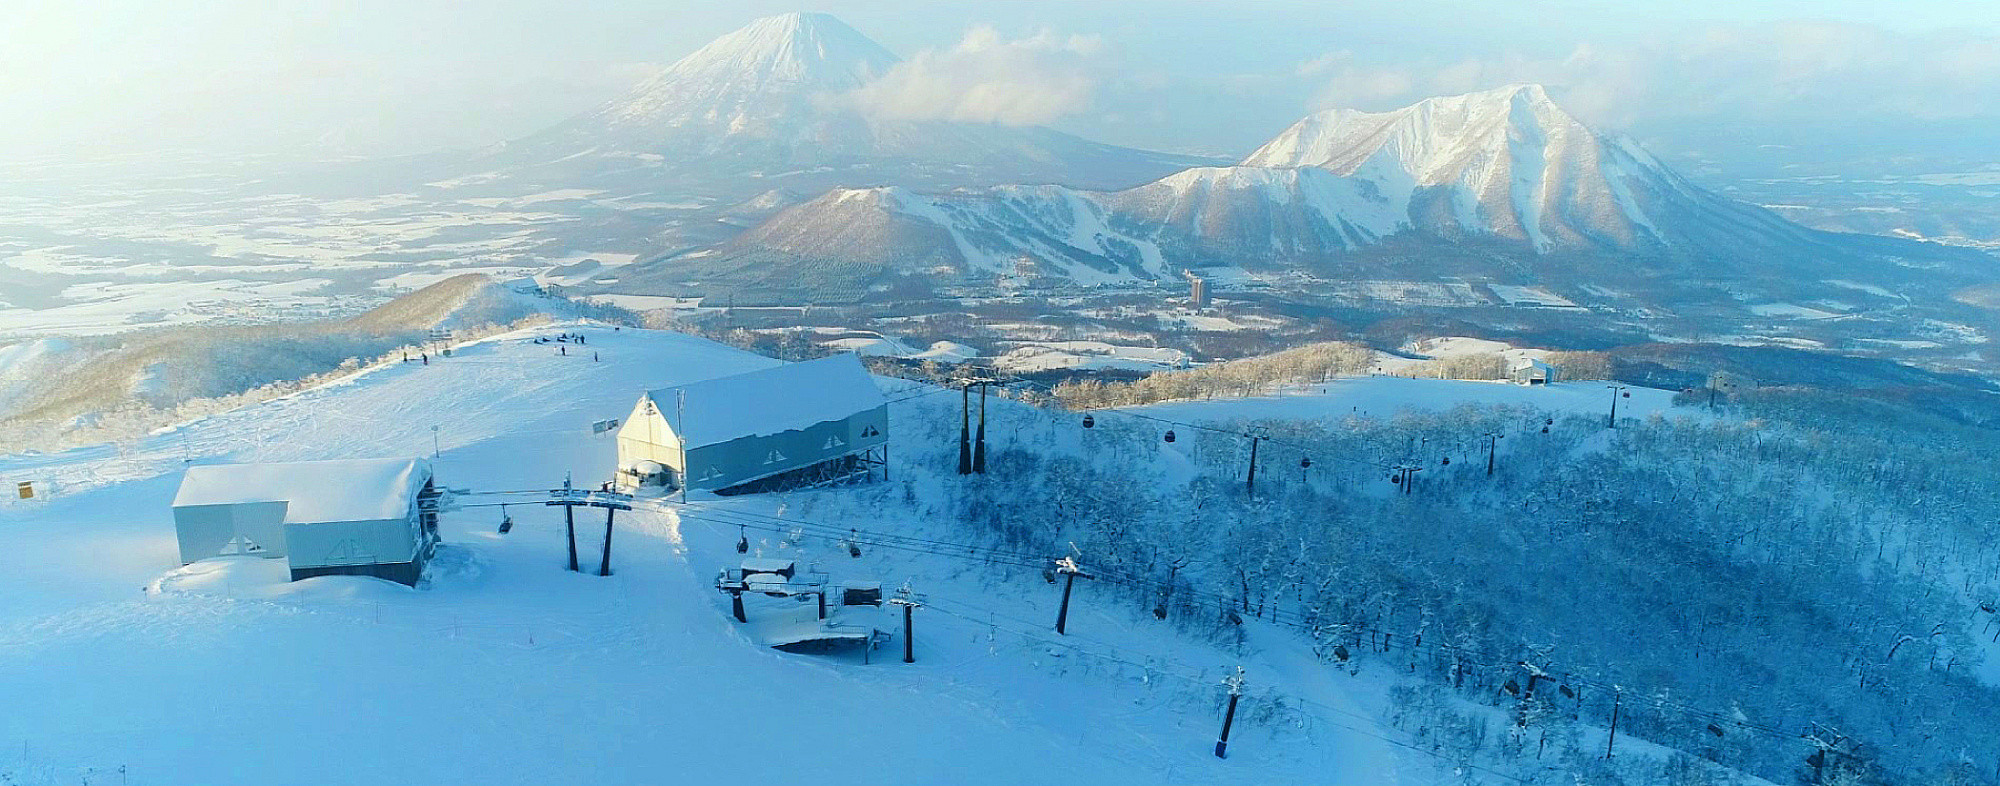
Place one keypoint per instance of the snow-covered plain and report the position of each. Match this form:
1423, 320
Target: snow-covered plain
509, 669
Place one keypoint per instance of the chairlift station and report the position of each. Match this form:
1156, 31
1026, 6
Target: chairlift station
788, 426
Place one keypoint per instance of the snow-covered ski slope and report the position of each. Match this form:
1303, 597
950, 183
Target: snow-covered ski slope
508, 669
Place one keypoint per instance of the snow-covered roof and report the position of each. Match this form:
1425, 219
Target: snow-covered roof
1526, 364
771, 401
315, 491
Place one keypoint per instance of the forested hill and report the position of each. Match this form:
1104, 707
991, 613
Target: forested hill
1742, 578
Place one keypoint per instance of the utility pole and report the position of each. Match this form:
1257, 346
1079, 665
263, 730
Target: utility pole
1250, 480
907, 600
1068, 568
1616, 391
1491, 438
1617, 698
1235, 684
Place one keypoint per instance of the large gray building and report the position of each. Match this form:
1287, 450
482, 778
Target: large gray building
789, 425
364, 517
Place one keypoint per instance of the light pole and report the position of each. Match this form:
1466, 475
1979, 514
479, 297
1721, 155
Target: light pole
1616, 392
435, 452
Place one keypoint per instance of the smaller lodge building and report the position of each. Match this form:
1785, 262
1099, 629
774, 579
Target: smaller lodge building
364, 517
798, 424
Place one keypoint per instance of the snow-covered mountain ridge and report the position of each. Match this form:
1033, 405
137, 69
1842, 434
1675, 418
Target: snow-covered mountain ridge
1507, 170
1509, 162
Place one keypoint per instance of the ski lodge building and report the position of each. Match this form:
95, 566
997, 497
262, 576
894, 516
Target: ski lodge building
793, 425
366, 517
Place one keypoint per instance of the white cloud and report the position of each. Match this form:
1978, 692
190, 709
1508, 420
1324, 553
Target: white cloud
1340, 75
1766, 73
987, 78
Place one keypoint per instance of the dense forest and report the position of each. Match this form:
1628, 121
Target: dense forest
1792, 587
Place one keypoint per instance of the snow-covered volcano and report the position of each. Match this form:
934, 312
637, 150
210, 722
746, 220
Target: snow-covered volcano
1505, 184
758, 83
771, 101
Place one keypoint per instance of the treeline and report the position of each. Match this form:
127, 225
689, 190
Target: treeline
1492, 366
1304, 365
1247, 377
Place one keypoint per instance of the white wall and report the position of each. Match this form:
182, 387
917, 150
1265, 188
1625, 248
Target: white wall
203, 530
352, 542
647, 437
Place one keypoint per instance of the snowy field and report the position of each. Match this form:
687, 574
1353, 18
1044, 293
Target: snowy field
114, 254
509, 669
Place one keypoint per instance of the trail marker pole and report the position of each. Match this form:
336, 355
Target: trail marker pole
1235, 684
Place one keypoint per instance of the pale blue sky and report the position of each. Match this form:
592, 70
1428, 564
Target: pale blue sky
379, 76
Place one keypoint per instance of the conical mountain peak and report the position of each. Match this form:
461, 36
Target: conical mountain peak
769, 71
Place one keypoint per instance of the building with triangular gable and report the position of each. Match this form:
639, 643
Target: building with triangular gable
792, 425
